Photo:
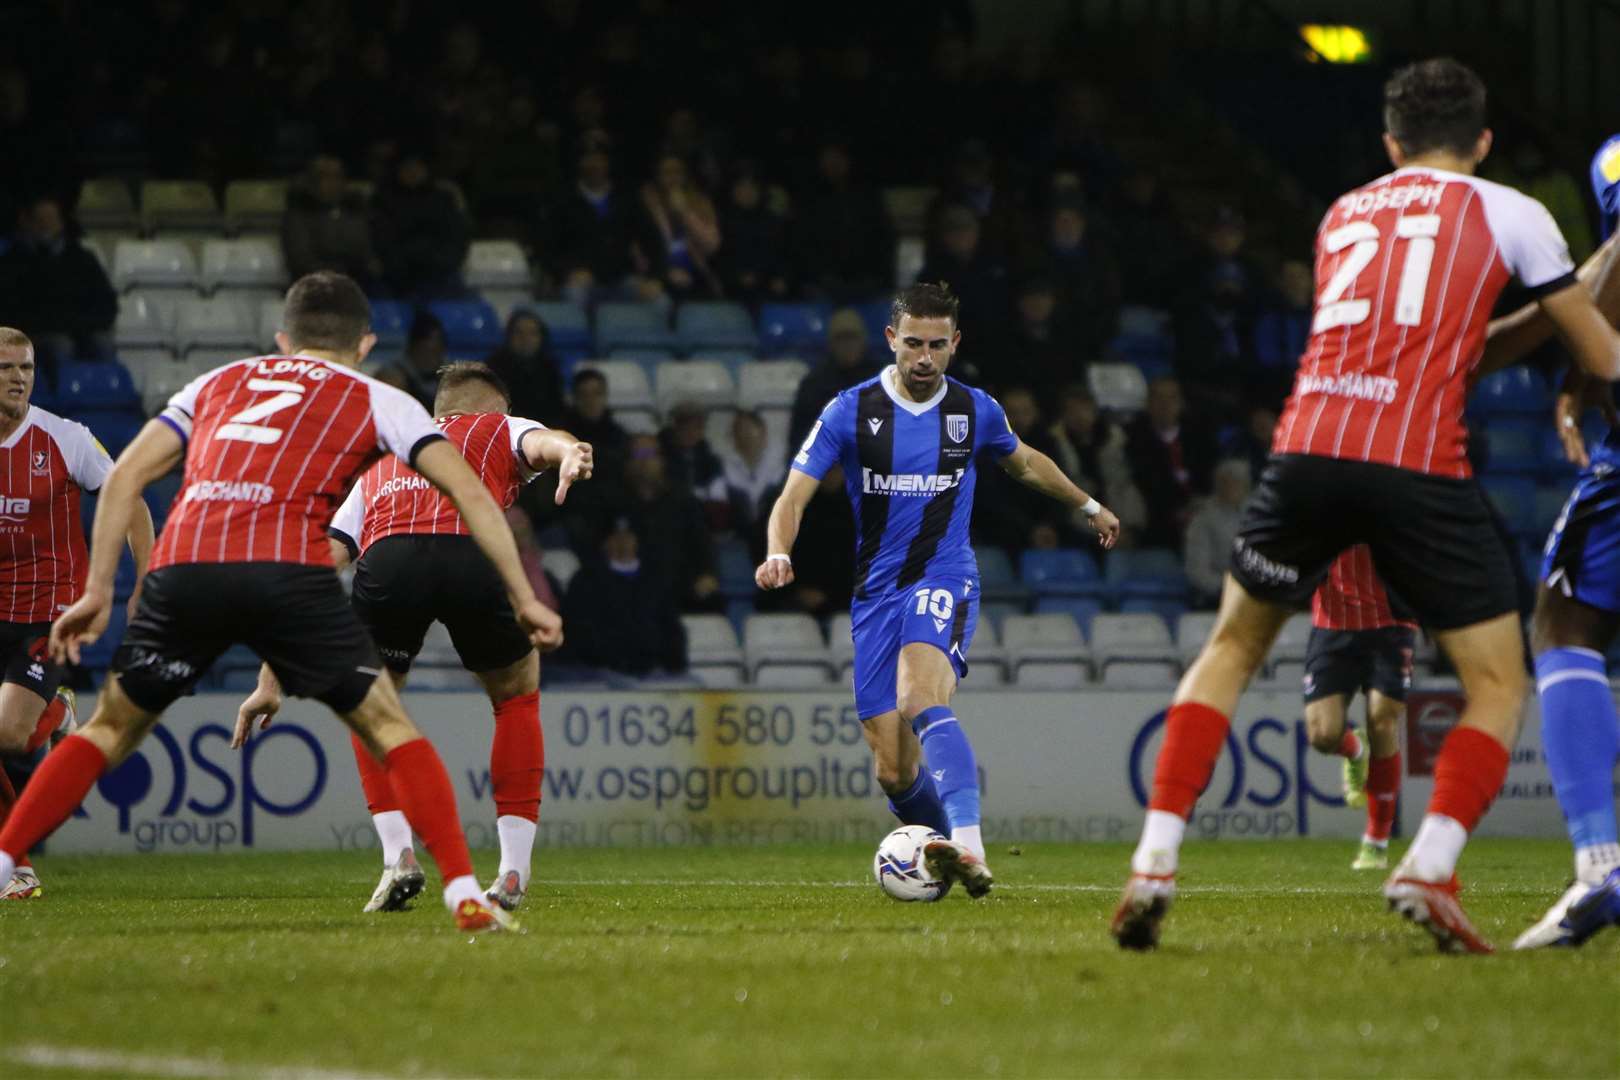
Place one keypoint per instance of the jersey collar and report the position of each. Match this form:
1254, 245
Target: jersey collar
915, 408
26, 423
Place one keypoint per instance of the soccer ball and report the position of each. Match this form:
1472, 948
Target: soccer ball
899, 867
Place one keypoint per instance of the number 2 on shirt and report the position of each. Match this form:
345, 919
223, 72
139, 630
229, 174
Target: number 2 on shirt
245, 426
1419, 230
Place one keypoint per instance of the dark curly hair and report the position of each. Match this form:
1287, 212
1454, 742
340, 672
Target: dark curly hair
930, 300
1434, 105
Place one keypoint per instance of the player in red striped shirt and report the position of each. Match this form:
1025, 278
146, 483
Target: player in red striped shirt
1370, 451
395, 524
1358, 644
270, 444
45, 463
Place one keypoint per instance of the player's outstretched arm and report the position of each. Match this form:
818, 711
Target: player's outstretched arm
448, 471
553, 448
155, 451
1515, 335
1034, 469
783, 528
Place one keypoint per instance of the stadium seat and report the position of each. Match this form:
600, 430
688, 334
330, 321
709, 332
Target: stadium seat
269, 322
1146, 572
1192, 630
165, 263
910, 256
701, 382
731, 359
97, 656
986, 652
1168, 609
841, 645
997, 581
775, 676
1515, 499
649, 360
714, 324
635, 326
638, 421
561, 564
251, 262
160, 495
450, 678
1082, 609
220, 323
142, 323
1549, 503
1042, 639
875, 314
507, 301
769, 384
734, 567
469, 325
1138, 675
711, 642
187, 205
1060, 572
786, 329
390, 321
566, 322
628, 387
85, 387
255, 206
163, 383
997, 612
496, 264
1554, 466
1120, 387
1515, 391
105, 204
1515, 448
1052, 675
713, 678
1140, 639
116, 428
784, 641
141, 362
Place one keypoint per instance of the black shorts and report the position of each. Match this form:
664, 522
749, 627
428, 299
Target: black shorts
1436, 542
24, 652
403, 584
1341, 663
295, 617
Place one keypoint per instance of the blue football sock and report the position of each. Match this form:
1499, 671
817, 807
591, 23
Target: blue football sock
950, 760
1580, 735
920, 805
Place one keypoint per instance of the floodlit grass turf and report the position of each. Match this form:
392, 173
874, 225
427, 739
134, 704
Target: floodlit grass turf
1278, 961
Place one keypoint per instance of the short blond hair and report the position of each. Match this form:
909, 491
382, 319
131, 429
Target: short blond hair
12, 338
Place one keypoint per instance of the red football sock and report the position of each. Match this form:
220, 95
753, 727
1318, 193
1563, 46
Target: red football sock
1350, 744
1193, 735
517, 756
1469, 772
57, 787
380, 796
423, 789
1383, 789
49, 721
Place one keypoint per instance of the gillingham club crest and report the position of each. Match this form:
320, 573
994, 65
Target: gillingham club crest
956, 426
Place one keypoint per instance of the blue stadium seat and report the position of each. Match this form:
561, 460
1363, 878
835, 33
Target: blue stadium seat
566, 322
635, 326
714, 324
1549, 504
735, 569
469, 325
116, 428
1154, 355
1515, 448
1555, 468
1060, 572
1080, 608
1152, 573
793, 329
996, 578
875, 314
1517, 391
1515, 499
734, 359
82, 387
391, 322
160, 495
996, 610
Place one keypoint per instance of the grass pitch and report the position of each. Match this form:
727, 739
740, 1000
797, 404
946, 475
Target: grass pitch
1278, 961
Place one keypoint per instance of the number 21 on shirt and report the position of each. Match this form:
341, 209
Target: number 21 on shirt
1362, 238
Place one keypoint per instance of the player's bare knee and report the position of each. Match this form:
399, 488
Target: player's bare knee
1238, 648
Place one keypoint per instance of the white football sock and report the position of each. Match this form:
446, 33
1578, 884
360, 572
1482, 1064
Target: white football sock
1593, 864
969, 837
1379, 844
1435, 849
1159, 850
8, 867
393, 832
462, 888
517, 845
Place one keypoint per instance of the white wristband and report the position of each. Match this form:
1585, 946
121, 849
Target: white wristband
1092, 508
779, 558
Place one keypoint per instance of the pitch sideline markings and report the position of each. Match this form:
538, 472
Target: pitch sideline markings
120, 1063
722, 883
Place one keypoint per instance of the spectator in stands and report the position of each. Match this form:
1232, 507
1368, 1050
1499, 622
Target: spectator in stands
751, 472
1211, 530
1084, 275
1005, 512
1252, 442
843, 248
850, 360
531, 556
823, 557
753, 264
973, 185
669, 523
1090, 449
619, 614
420, 232
1042, 350
688, 231
1147, 241
692, 463
590, 420
533, 374
973, 275
54, 290
1281, 328
1212, 325
326, 227
417, 371
602, 240
1172, 455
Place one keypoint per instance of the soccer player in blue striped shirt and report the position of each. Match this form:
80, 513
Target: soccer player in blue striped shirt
908, 441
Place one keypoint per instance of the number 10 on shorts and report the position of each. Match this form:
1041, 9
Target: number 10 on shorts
936, 602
